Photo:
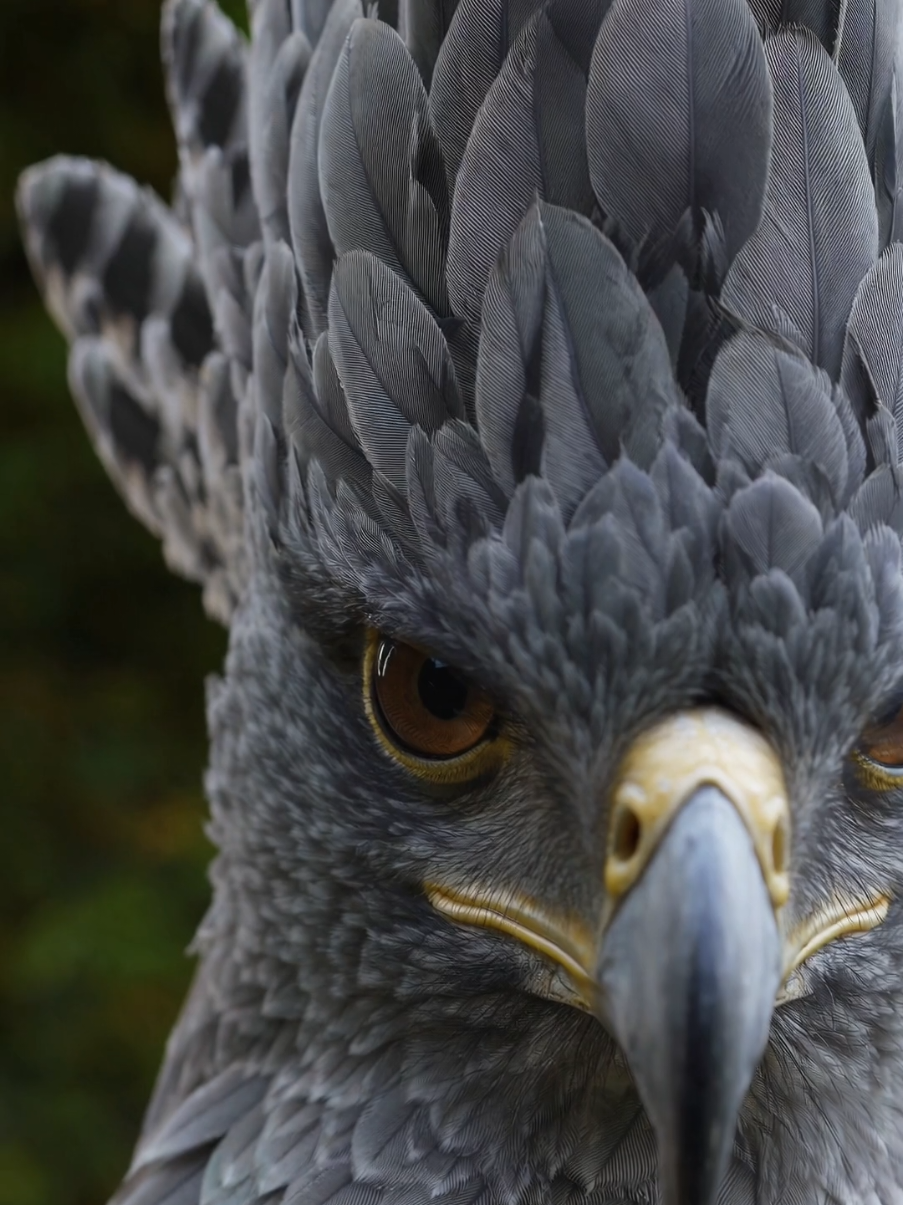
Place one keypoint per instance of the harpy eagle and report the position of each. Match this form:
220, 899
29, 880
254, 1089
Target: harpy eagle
523, 382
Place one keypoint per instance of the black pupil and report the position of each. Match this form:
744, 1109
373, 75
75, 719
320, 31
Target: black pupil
442, 691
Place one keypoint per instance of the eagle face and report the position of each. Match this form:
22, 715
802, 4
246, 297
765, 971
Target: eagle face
522, 383
466, 737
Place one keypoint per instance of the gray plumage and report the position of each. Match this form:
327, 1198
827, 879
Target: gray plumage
380, 170
605, 380
799, 272
277, 65
528, 140
872, 368
423, 25
311, 243
865, 60
468, 63
563, 342
316, 417
391, 358
797, 414
667, 89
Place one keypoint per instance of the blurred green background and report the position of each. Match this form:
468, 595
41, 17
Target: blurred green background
102, 660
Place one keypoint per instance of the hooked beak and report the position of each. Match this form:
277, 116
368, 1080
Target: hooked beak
692, 1011
688, 953
691, 960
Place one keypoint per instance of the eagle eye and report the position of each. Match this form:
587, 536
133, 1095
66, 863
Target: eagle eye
427, 714
880, 750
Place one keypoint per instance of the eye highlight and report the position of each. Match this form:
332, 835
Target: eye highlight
880, 752
427, 714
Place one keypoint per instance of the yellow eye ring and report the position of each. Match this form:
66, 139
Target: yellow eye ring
879, 756
427, 717
875, 776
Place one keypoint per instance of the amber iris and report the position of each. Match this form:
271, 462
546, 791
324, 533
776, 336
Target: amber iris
428, 707
882, 742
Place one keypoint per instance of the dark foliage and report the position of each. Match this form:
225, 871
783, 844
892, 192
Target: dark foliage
102, 659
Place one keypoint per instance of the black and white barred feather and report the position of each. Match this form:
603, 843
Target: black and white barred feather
385, 228
437, 270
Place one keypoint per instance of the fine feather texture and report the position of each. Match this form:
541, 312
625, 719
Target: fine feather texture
799, 272
794, 412
599, 376
510, 330
508, 372
393, 204
316, 417
423, 25
391, 358
678, 114
823, 17
773, 526
872, 369
311, 243
119, 277
869, 45
606, 377
277, 64
470, 59
862, 37
888, 160
528, 140
203, 1117
381, 174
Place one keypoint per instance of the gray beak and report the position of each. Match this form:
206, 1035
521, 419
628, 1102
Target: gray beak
690, 967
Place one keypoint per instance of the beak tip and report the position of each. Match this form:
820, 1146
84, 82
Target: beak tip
691, 966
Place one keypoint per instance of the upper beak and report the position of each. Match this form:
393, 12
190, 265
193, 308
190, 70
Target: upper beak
690, 968
689, 951
691, 960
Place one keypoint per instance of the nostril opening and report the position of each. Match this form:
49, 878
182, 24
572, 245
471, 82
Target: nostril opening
779, 847
627, 833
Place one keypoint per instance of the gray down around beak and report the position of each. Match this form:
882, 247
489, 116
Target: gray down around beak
690, 968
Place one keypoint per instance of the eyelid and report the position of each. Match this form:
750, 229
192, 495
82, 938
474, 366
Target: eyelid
875, 775
483, 758
891, 708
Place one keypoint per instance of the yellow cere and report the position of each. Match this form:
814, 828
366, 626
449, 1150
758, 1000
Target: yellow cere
670, 761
